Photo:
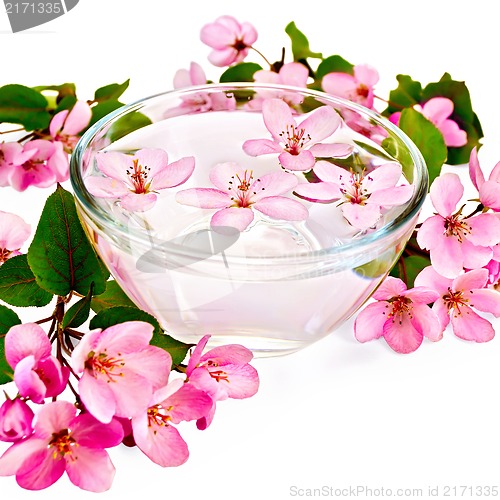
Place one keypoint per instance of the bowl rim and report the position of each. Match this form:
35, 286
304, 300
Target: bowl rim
85, 200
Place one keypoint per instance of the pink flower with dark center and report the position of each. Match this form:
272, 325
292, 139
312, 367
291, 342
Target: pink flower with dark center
456, 241
66, 125
13, 233
12, 154
438, 110
356, 88
489, 190
457, 300
154, 431
16, 419
229, 40
401, 316
119, 370
363, 197
238, 194
64, 441
135, 180
298, 145
37, 374
202, 101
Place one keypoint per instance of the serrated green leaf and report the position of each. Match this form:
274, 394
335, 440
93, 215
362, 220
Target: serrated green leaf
334, 64
121, 314
18, 286
8, 318
60, 254
242, 72
102, 109
79, 312
427, 138
300, 44
112, 91
407, 94
23, 105
113, 296
127, 124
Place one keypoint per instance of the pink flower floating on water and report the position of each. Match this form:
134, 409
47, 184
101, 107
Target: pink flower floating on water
119, 370
298, 145
356, 88
135, 179
401, 316
438, 110
66, 125
37, 374
229, 39
457, 300
238, 194
222, 372
456, 241
13, 233
363, 197
489, 190
63, 441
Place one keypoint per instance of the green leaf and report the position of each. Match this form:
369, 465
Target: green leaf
23, 105
102, 109
407, 268
120, 314
66, 102
8, 318
427, 138
398, 150
64, 90
407, 94
60, 254
463, 114
18, 286
79, 312
112, 296
300, 44
242, 72
112, 91
334, 64
127, 124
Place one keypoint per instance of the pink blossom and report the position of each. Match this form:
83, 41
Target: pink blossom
456, 241
16, 419
153, 430
64, 441
199, 101
43, 164
293, 74
11, 155
229, 40
363, 197
37, 374
13, 233
489, 190
66, 125
120, 370
135, 179
237, 194
222, 372
458, 299
493, 267
298, 144
357, 87
401, 316
438, 110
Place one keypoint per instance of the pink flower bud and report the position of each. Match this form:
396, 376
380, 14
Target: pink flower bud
16, 419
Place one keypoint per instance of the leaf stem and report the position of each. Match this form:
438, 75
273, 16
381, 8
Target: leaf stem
261, 55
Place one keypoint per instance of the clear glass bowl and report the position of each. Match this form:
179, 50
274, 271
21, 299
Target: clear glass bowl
277, 286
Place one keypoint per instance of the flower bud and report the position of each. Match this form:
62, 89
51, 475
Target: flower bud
16, 419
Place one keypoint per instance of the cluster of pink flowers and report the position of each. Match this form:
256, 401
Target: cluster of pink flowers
43, 160
123, 393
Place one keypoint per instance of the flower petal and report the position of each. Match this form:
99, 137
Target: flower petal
322, 150
257, 147
90, 469
105, 187
203, 198
486, 300
401, 335
114, 164
446, 191
277, 117
321, 123
453, 135
240, 218
390, 197
475, 256
468, 325
188, 403
25, 340
425, 320
78, 118
489, 194
272, 185
40, 470
369, 323
174, 174
361, 216
91, 433
447, 257
155, 159
300, 162
475, 171
389, 288
18, 453
318, 191
227, 175
429, 278
438, 109
279, 207
485, 229
429, 232
97, 397
138, 202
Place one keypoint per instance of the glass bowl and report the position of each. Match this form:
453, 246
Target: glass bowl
280, 277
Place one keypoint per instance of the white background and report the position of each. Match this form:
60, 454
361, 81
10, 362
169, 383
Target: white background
339, 413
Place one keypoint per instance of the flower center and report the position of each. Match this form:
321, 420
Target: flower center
400, 306
32, 164
218, 375
242, 194
239, 45
63, 443
454, 301
295, 139
456, 227
354, 190
102, 364
362, 90
139, 178
4, 254
157, 415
